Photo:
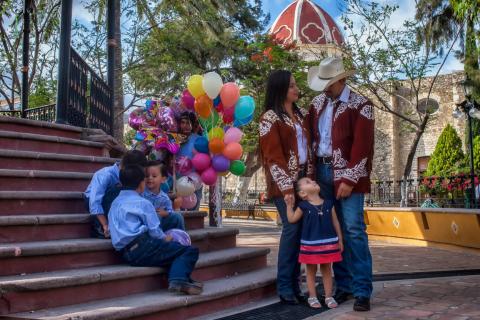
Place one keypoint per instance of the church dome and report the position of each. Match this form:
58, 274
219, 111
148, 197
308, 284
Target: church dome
305, 22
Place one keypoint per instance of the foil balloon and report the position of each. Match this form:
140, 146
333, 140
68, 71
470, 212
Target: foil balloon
135, 121
166, 119
180, 236
185, 187
183, 165
189, 202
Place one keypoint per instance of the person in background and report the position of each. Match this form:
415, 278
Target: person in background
188, 125
104, 188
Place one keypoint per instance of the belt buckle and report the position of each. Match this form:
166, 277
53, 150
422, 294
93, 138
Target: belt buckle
325, 161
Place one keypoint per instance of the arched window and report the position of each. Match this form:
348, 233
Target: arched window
427, 105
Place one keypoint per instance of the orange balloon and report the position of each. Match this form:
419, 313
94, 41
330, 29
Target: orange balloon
203, 106
233, 151
216, 146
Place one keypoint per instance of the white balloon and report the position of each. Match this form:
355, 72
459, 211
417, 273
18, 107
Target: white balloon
185, 187
212, 84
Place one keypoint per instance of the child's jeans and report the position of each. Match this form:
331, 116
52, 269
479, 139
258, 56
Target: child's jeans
110, 195
173, 221
151, 252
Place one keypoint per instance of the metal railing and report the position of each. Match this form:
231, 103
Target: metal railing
90, 100
444, 192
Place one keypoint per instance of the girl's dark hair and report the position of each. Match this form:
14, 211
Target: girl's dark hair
161, 166
131, 176
277, 89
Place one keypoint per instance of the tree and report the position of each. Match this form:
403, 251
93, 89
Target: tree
448, 154
43, 45
444, 18
392, 67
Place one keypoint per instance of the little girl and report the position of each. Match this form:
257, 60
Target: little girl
321, 241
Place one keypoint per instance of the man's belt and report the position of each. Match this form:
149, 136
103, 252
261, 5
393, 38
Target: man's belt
325, 160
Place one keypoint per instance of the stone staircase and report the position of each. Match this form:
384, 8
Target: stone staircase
51, 269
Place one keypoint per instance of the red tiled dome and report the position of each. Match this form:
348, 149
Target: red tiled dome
305, 22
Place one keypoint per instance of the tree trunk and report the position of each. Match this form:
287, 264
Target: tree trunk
118, 103
411, 155
252, 165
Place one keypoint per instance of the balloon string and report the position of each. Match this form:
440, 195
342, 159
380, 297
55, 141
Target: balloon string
174, 174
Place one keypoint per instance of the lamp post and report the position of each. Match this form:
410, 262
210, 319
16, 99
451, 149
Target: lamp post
471, 108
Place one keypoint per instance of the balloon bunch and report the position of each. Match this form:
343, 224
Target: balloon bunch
156, 127
219, 150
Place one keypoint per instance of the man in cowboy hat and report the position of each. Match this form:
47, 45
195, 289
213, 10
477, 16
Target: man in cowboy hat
342, 123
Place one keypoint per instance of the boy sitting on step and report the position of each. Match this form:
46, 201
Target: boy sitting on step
137, 235
104, 188
157, 174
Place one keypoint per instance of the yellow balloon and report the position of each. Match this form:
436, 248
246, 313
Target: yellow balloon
216, 132
195, 86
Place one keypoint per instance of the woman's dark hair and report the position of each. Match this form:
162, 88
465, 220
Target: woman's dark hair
161, 166
131, 176
277, 89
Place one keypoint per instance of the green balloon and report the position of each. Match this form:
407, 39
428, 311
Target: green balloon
237, 167
210, 122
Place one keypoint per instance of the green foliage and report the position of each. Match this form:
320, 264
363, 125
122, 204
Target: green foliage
476, 154
43, 94
448, 154
193, 37
128, 138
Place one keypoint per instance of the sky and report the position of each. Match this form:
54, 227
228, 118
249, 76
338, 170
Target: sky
405, 11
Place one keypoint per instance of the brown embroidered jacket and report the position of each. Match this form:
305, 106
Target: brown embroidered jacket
279, 151
352, 139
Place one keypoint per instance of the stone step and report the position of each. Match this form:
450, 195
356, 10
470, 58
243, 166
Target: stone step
60, 288
43, 180
45, 256
51, 144
218, 294
39, 127
24, 228
32, 160
41, 202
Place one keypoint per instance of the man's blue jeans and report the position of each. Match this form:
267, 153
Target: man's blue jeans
354, 273
152, 252
288, 274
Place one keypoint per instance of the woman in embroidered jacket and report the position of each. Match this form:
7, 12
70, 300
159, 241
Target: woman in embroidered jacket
286, 156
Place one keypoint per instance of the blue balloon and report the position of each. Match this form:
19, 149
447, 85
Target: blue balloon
242, 122
217, 101
201, 144
244, 108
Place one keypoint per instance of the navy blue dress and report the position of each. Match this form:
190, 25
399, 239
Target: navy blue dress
319, 242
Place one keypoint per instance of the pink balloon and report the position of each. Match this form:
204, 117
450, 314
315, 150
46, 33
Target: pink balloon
209, 176
233, 135
188, 100
183, 165
229, 94
201, 161
228, 114
189, 202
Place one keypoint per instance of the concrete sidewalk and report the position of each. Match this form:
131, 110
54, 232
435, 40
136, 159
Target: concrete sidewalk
434, 298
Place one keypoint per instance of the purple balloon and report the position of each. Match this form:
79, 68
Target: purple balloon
188, 100
166, 119
180, 236
220, 163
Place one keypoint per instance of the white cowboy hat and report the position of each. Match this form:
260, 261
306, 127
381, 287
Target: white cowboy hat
329, 71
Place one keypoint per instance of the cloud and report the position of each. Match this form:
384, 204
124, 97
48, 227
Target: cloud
80, 13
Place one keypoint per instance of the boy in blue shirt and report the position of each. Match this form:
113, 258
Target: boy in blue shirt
156, 175
104, 188
137, 235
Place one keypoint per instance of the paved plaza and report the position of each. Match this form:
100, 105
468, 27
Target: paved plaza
455, 297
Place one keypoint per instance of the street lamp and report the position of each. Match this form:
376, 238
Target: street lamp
471, 109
